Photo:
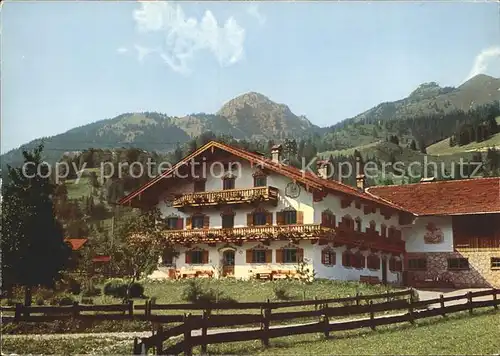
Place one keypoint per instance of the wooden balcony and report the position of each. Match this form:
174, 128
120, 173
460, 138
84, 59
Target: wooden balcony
230, 196
248, 233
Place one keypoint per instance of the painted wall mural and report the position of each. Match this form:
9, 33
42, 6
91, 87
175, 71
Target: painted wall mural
433, 235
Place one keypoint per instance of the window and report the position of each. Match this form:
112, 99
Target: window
258, 256
172, 223
347, 259
417, 264
495, 263
195, 257
383, 230
348, 222
289, 255
358, 224
290, 217
373, 262
328, 218
167, 258
458, 263
197, 221
260, 181
328, 257
199, 186
228, 183
228, 221
259, 218
395, 265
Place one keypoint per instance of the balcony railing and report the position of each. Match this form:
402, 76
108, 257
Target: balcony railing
230, 196
250, 232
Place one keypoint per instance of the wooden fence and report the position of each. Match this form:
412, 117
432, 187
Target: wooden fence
403, 311
130, 311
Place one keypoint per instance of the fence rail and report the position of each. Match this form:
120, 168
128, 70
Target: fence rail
414, 310
144, 311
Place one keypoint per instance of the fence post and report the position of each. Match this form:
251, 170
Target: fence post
495, 292
315, 302
76, 309
137, 348
411, 295
388, 298
326, 321
410, 313
469, 301
357, 298
372, 315
131, 307
18, 312
441, 302
266, 316
188, 348
159, 340
204, 327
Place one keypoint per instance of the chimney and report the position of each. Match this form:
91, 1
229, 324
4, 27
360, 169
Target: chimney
361, 182
322, 168
276, 153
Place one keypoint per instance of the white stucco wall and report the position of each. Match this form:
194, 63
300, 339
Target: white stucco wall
244, 270
304, 202
414, 235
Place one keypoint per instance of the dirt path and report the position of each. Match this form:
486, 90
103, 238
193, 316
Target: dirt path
423, 295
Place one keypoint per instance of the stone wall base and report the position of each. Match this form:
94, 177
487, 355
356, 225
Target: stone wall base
479, 274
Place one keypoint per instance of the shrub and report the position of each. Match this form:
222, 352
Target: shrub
281, 292
87, 300
39, 301
136, 290
116, 288
195, 293
62, 299
91, 291
74, 287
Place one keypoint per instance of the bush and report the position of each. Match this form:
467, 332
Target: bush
195, 293
87, 300
39, 301
74, 287
136, 290
281, 292
91, 291
116, 288
62, 299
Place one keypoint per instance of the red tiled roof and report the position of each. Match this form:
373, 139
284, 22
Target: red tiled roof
76, 244
304, 177
101, 259
454, 197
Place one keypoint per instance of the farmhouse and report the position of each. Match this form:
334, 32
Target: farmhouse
455, 236
235, 213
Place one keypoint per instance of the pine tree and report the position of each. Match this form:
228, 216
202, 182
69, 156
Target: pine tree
33, 248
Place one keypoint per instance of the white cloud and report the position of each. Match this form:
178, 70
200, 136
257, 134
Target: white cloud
486, 60
122, 50
183, 37
253, 10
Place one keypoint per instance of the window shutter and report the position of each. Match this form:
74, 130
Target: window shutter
280, 218
249, 255
279, 255
188, 223
188, 257
300, 217
324, 218
204, 257
269, 218
269, 256
362, 261
333, 221
300, 254
180, 223
250, 219
206, 221
323, 256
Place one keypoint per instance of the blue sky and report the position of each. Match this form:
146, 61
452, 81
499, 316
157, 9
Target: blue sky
66, 64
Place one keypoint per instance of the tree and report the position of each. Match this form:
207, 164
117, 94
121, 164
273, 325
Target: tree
33, 248
140, 243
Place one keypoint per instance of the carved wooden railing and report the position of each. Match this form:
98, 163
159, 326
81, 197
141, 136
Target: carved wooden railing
229, 196
369, 239
251, 233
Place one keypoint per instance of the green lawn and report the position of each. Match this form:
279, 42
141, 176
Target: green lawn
457, 334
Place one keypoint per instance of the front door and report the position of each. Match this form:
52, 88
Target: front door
384, 270
228, 263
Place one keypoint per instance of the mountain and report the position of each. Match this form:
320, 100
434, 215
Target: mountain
253, 116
